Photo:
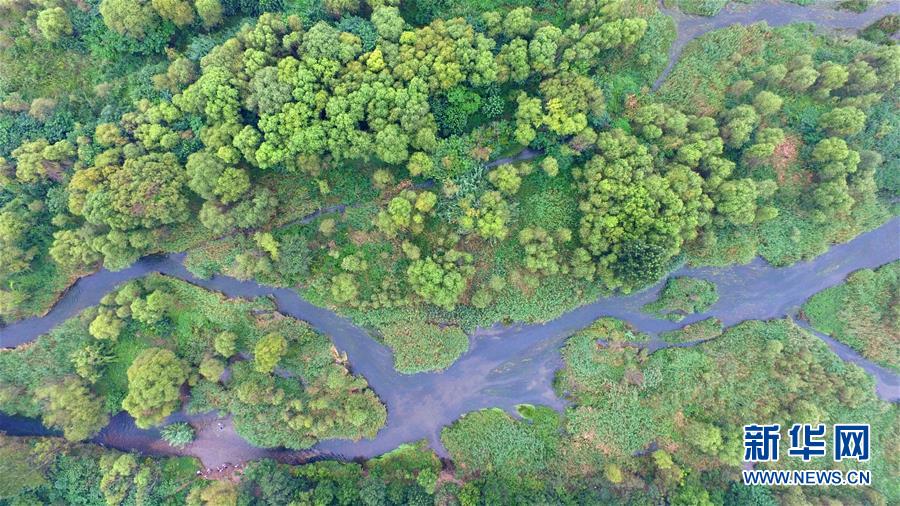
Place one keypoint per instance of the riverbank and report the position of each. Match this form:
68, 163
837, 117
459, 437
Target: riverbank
504, 367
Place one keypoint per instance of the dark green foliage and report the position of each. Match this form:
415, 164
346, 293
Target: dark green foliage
640, 264
58, 472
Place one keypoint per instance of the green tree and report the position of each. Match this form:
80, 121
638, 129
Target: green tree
550, 166
388, 22
54, 23
518, 22
178, 434
146, 192
843, 121
767, 103
179, 12
225, 343
154, 382
834, 159
129, 17
541, 255
70, 406
268, 352
640, 263
420, 164
391, 145
211, 368
627, 204
339, 8
151, 309
488, 217
232, 184
38, 160
210, 11
736, 201
740, 123
16, 253
800, 79
438, 282
106, 326
506, 178
90, 360
343, 288
831, 77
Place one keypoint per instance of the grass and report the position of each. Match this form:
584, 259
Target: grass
420, 346
704, 329
683, 296
863, 313
548, 202
491, 441
701, 7
43, 283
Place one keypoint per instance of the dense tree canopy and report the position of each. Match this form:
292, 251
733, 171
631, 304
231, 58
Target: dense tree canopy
154, 382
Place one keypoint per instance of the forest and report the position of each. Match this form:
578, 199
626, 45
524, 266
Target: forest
427, 168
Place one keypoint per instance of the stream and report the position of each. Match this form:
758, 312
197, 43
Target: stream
504, 366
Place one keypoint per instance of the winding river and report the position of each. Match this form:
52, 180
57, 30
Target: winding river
504, 366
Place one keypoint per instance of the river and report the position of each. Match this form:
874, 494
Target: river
504, 366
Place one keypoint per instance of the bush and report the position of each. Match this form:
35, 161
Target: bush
179, 434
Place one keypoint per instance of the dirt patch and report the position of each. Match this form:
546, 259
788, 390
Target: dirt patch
447, 476
358, 237
785, 154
